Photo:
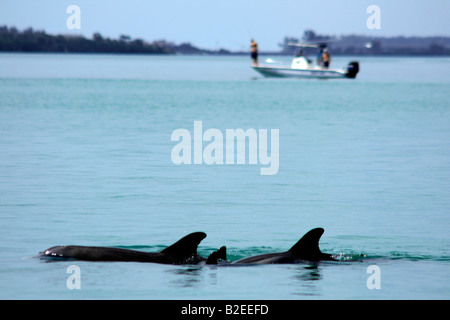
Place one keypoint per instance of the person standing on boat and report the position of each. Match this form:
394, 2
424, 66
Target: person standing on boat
254, 52
326, 59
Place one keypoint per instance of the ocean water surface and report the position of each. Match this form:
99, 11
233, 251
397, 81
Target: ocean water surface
85, 158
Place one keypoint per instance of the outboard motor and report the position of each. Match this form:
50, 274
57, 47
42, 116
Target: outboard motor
352, 69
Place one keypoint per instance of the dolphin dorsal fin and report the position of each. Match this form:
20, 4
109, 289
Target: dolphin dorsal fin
186, 246
308, 246
216, 255
222, 253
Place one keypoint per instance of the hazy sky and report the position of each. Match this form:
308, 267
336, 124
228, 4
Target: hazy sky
229, 24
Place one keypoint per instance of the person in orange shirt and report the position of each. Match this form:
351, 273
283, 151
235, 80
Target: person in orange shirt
254, 52
326, 59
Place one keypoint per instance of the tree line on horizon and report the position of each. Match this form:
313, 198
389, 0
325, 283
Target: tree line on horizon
366, 45
29, 40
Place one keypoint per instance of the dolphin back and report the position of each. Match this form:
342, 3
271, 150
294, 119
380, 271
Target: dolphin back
184, 251
307, 247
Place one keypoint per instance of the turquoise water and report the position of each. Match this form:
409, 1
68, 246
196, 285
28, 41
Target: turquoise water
85, 158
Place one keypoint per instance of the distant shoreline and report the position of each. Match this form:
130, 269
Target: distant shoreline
37, 41
235, 54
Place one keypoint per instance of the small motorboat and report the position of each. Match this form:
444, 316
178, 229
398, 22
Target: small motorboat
303, 67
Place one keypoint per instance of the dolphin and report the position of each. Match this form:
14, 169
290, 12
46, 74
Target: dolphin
306, 249
184, 251
216, 256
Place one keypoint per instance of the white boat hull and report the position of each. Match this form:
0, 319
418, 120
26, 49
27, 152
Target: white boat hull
316, 73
